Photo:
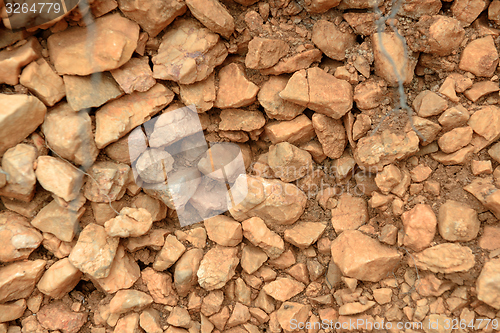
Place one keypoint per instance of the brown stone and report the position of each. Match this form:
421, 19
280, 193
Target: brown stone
468, 10
480, 57
304, 234
350, 213
224, 230
388, 178
58, 316
202, 93
41, 79
252, 258
445, 258
331, 134
288, 162
480, 89
60, 221
417, 8
59, 177
369, 94
459, 157
298, 130
129, 300
428, 103
17, 280
128, 324
291, 312
160, 286
490, 240
17, 237
273, 104
294, 63
487, 284
454, 117
256, 231
185, 271
236, 120
362, 23
283, 289
320, 6
213, 15
172, 250
217, 267
59, 279
419, 227
457, 221
18, 163
442, 34
10, 312
12, 61
331, 40
455, 139
235, 90
264, 52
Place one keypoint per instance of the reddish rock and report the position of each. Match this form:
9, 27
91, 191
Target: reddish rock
445, 258
331, 134
57, 316
264, 53
241, 120
202, 93
224, 230
273, 104
235, 90
256, 231
12, 61
59, 279
490, 240
160, 286
442, 34
480, 57
487, 284
458, 221
468, 10
294, 63
419, 225
298, 130
288, 162
135, 75
331, 40
283, 289
350, 213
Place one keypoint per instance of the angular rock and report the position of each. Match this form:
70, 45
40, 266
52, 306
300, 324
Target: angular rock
388, 178
129, 300
487, 284
294, 63
108, 183
59, 221
363, 258
252, 258
350, 213
18, 163
135, 75
445, 258
486, 123
273, 104
17, 237
17, 280
123, 274
240, 315
292, 312
417, 8
256, 231
355, 308
288, 162
235, 90
172, 250
455, 139
202, 93
43, 82
241, 120
217, 267
480, 57
304, 234
11, 311
419, 225
428, 103
21, 115
59, 177
442, 34
454, 117
59, 279
458, 221
128, 324
283, 289
362, 23
185, 271
12, 61
481, 89
213, 15
160, 286
369, 94
224, 230
320, 6
332, 40
58, 316
459, 157
490, 240
468, 10
331, 134
298, 130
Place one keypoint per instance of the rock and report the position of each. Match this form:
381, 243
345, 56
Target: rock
172, 250
240, 315
117, 118
490, 240
241, 120
84, 92
362, 23
455, 139
17, 237
152, 16
59, 177
294, 63
430, 285
202, 93
355, 308
256, 231
235, 90
385, 148
212, 302
180, 57
283, 289
369, 94
331, 40
129, 300
480, 57
420, 173
217, 267
288, 162
69, 134
468, 10
179, 317
59, 279
419, 225
43, 82
486, 123
135, 75
212, 15
12, 61
18, 163
264, 52
150, 321
304, 234
224, 230
349, 214
66, 48
59, 221
12, 311
298, 130
457, 221
21, 116
417, 8
442, 34
273, 104
159, 286
388, 178
273, 201
108, 183
17, 280
319, 91
128, 324
58, 316
363, 258
156, 208
128, 148
494, 12
484, 190
382, 295
395, 49
487, 284
481, 89
185, 271
454, 117
331, 134
252, 259
428, 103
94, 252
132, 222
459, 157
445, 258
291, 312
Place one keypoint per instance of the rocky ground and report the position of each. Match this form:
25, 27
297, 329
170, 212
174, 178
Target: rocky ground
350, 217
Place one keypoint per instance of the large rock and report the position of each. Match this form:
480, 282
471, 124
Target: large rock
59, 221
59, 279
272, 200
363, 258
264, 52
20, 115
113, 42
442, 34
59, 177
132, 222
217, 267
12, 61
224, 230
123, 274
488, 284
41, 79
275, 106
458, 221
17, 237
17, 280
419, 225
58, 316
445, 258
18, 164
350, 213
256, 231
213, 15
135, 75
480, 57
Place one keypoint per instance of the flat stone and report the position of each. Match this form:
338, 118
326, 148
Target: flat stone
349, 214
428, 103
12, 61
487, 284
388, 178
17, 280
274, 106
458, 221
149, 320
110, 180
264, 52
224, 230
468, 10
443, 35
241, 120
58, 316
331, 39
17, 237
369, 94
252, 258
298, 130
11, 311
172, 250
455, 139
256, 231
289, 312
213, 15
129, 300
355, 308
294, 63
18, 162
419, 225
288, 162
235, 89
59, 221
128, 323
132, 222
484, 191
202, 93
304, 234
480, 57
217, 267
459, 157
59, 177
43, 82
490, 240
445, 258
135, 75
59, 279
481, 89
331, 134
124, 272
361, 23
283, 289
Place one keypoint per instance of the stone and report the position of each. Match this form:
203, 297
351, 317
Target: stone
58, 316
319, 91
264, 52
445, 258
159, 286
419, 225
283, 289
481, 89
369, 94
395, 49
490, 240
43, 82
252, 258
149, 320
212, 303
455, 139
416, 8
213, 15
171, 127
108, 183
274, 106
59, 221
493, 12
132, 222
484, 190
304, 234
420, 173
355, 308
135, 75
128, 148
20, 116
388, 178
217, 267
240, 315
59, 279
185, 271
235, 90
273, 201
117, 118
94, 251
383, 295
202, 93
320, 6
13, 60
298, 130
18, 163
350, 213
442, 34
152, 16
481, 167
292, 312
179, 317
129, 300
172, 250
457, 221
459, 157
91, 91
294, 63
69, 134
181, 57
385, 148
428, 103
224, 230
17, 237
331, 40
241, 120
486, 123
480, 57
256, 231
59, 177
363, 258
101, 7
155, 207
454, 117
67, 48
468, 10
331, 134
447, 89
362, 23
128, 324
17, 280
12, 311
487, 284
288, 162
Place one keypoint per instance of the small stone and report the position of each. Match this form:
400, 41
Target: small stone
448, 89
12, 61
239, 316
362, 23
149, 320
252, 258
490, 240
10, 312
179, 317
420, 173
298, 130
481, 89
288, 162
361, 126
57, 316
108, 183
383, 295
430, 285
389, 232
202, 93
445, 258
455, 139
283, 289
487, 284
454, 117
355, 308
217, 267
185, 271
213, 15
304, 234
60, 221
351, 212
468, 10
274, 106
331, 40
294, 63
480, 57
135, 75
224, 230
235, 90
59, 279
17, 237
241, 120
369, 94
59, 177
486, 122
388, 178
132, 222
264, 52
481, 167
169, 254
442, 34
331, 134
428, 103
291, 312
128, 324
17, 280
256, 231
41, 79
419, 227
129, 300
457, 221
320, 6
160, 286
459, 157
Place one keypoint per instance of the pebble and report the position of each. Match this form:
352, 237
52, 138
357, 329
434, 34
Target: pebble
256, 231
283, 289
45, 84
288, 162
442, 34
18, 280
252, 258
108, 183
12, 311
123, 274
445, 258
160, 286
59, 177
428, 103
480, 57
453, 117
235, 90
490, 240
457, 221
217, 267
132, 222
129, 300
419, 225
241, 120
350, 213
290, 312
298, 130
455, 139
274, 106
224, 230
185, 272
331, 134
265, 52
18, 238
59, 279
304, 234
331, 40
487, 284
135, 75
12, 61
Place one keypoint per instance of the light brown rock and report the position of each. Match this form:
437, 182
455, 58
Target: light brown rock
454, 117
289, 312
217, 267
487, 284
298, 130
264, 52
160, 286
128, 324
18, 163
235, 89
213, 15
294, 63
350, 213
59, 177
17, 280
459, 157
12, 61
369, 94
17, 237
201, 93
41, 79
256, 231
60, 221
320, 6
486, 123
480, 89
11, 311
458, 221
58, 316
480, 57
135, 75
443, 35
419, 225
388, 178
490, 240
129, 300
224, 230
172, 250
428, 103
59, 279
468, 10
332, 40
331, 134
355, 308
241, 120
149, 320
252, 258
110, 180
273, 104
304, 234
185, 271
445, 258
288, 162
124, 272
132, 222
455, 139
362, 23
283, 289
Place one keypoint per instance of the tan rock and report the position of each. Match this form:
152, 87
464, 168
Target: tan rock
12, 311
420, 173
252, 258
94, 252
59, 177
179, 317
212, 302
320, 6
416, 9
455, 139
331, 40
445, 258
169, 254
494, 12
217, 267
480, 57
185, 271
235, 90
355, 308
294, 63
443, 35
468, 10
18, 163
256, 231
12, 61
349, 214
273, 104
362, 23
430, 285
201, 93
304, 234
480, 89
457, 221
213, 15
428, 103
45, 84
17, 237
59, 279
128, 324
129, 300
288, 162
487, 284
187, 62
160, 286
175, 125
486, 123
21, 115
123, 274
448, 89
58, 316
369, 94
459, 157
264, 52
291, 312
240, 315
298, 130
484, 190
110, 180
17, 280
132, 222
331, 134
388, 178
454, 117
363, 258
283, 289
419, 225
382, 295
149, 320
60, 221
241, 120
490, 240
224, 230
